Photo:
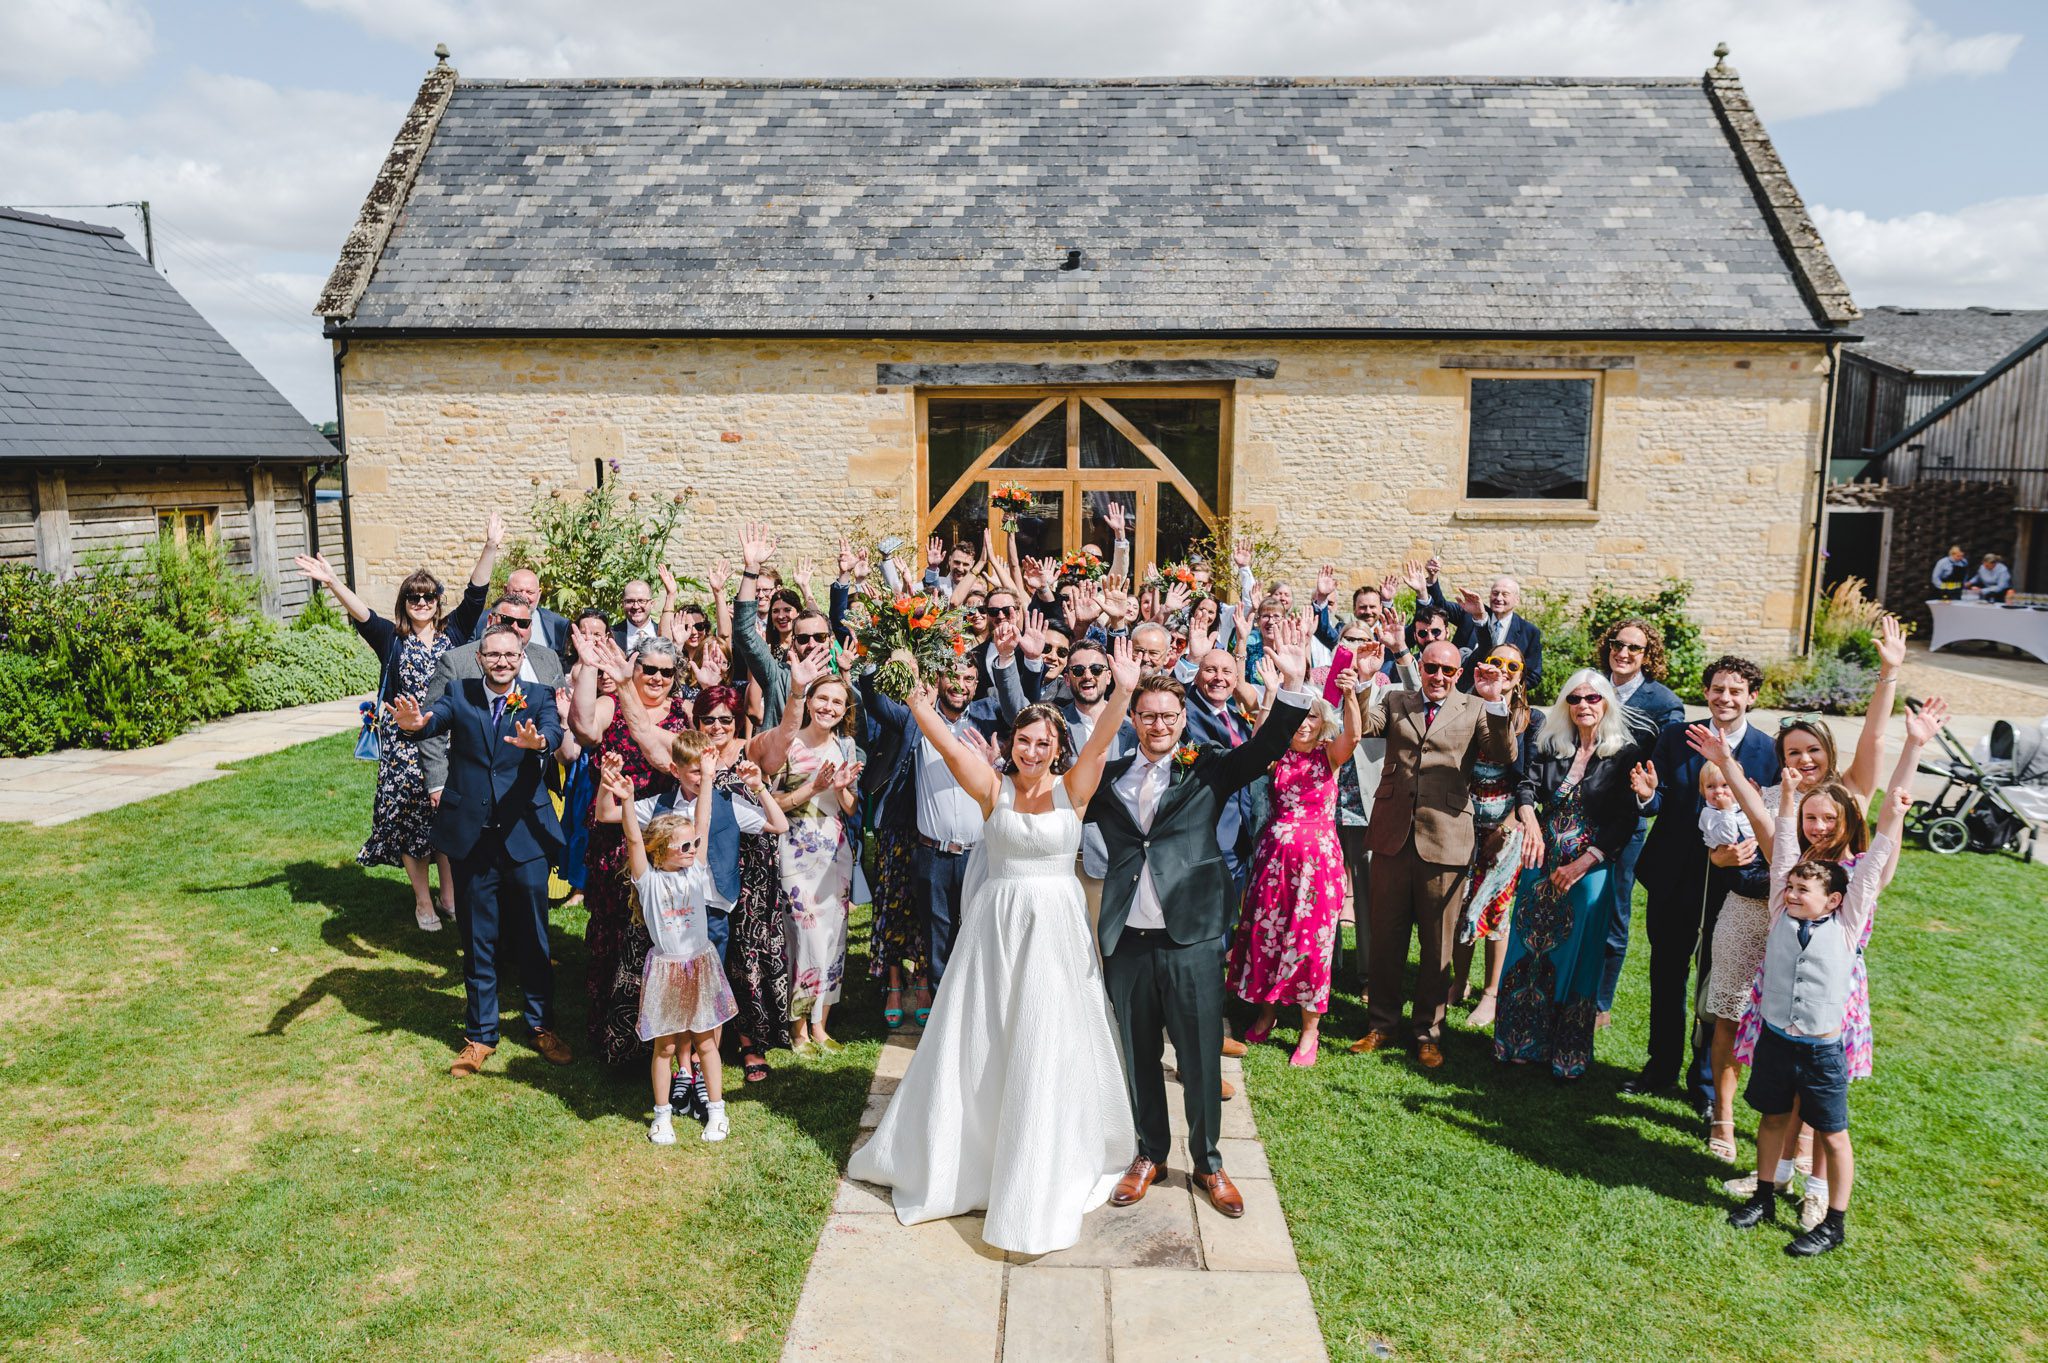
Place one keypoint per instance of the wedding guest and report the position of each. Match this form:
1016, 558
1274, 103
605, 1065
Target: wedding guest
1498, 833
1950, 572
1631, 655
807, 628
500, 831
816, 790
957, 564
1496, 624
1993, 580
408, 648
754, 950
551, 629
1358, 781
1216, 717
1088, 686
578, 768
636, 604
539, 665
1583, 776
1287, 932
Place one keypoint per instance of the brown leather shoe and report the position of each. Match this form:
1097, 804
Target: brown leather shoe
1232, 1046
1223, 1194
1428, 1054
1229, 1089
551, 1047
1142, 1174
474, 1054
1372, 1041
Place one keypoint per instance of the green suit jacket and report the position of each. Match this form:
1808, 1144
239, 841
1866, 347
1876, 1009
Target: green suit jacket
1187, 866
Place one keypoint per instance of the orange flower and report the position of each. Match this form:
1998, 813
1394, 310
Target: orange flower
959, 647
902, 605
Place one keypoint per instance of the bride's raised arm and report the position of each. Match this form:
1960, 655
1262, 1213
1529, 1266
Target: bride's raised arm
969, 767
1086, 774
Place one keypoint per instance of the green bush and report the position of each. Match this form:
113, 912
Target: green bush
591, 544
1571, 633
1840, 669
299, 667
320, 612
38, 712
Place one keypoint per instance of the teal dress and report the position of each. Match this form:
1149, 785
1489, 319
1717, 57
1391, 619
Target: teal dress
1557, 948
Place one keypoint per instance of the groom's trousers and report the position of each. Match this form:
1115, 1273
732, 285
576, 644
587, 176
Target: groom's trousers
1157, 986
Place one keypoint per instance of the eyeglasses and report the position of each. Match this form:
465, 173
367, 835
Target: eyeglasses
1087, 669
976, 611
1354, 641
1002, 612
663, 672
422, 598
1585, 698
812, 638
1504, 664
1156, 719
499, 657
1430, 631
637, 601
517, 622
710, 720
1441, 669
1057, 650
1617, 646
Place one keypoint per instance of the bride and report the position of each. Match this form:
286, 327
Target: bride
1014, 1100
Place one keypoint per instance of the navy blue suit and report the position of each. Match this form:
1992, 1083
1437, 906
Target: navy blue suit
1244, 809
1649, 709
1685, 893
500, 832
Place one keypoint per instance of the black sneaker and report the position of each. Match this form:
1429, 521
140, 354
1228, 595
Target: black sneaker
700, 1097
1819, 1240
682, 1095
1761, 1207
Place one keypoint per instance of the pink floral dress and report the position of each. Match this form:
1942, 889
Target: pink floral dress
1282, 951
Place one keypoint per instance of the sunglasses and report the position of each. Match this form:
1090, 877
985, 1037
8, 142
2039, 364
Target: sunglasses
514, 621
422, 598
1002, 612
1354, 641
812, 638
1585, 698
1087, 669
1430, 632
710, 720
1617, 646
1504, 665
1441, 669
664, 672
1057, 650
1800, 721
977, 611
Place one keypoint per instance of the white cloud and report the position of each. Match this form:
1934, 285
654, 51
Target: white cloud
43, 42
1995, 254
1796, 56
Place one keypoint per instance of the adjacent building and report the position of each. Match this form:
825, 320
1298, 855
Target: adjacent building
125, 416
1581, 329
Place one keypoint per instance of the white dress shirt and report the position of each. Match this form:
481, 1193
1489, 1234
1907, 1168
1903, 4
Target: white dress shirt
637, 635
1635, 684
945, 811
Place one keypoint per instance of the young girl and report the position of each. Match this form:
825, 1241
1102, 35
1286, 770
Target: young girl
684, 998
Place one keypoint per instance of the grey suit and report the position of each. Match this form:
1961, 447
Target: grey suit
460, 663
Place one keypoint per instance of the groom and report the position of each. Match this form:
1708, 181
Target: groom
1166, 910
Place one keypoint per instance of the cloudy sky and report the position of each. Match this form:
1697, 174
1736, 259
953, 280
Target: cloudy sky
1913, 127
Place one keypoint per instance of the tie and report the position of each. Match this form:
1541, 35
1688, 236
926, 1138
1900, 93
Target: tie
1429, 708
1230, 727
1148, 796
1500, 630
1806, 927
497, 711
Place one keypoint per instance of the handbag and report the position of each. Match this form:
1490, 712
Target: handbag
370, 743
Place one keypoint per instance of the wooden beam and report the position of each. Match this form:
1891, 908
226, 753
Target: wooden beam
263, 541
1115, 371
1151, 452
990, 455
53, 524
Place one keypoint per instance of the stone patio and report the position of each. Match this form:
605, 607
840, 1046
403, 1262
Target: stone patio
61, 786
1168, 1279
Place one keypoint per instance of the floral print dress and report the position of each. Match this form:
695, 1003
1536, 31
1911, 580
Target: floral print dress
1557, 948
612, 1021
817, 877
403, 815
1281, 954
755, 962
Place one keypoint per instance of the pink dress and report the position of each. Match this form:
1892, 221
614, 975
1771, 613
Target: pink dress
1282, 950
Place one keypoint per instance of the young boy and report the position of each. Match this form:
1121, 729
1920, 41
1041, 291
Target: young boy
1722, 822
1819, 911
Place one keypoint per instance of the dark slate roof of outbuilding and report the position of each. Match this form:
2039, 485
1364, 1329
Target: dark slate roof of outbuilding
1199, 206
1946, 340
101, 359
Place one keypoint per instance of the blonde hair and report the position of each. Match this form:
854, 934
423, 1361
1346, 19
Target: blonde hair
686, 747
663, 832
1332, 722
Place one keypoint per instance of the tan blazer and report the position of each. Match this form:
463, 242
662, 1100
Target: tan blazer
1426, 778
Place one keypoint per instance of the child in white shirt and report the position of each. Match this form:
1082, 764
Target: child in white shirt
1722, 822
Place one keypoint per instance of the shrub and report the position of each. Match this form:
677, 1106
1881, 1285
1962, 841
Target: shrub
299, 667
1831, 684
320, 612
591, 544
1839, 672
1572, 633
39, 710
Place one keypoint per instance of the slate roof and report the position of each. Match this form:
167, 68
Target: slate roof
1198, 206
1945, 340
101, 359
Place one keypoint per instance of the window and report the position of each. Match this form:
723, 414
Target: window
1531, 439
185, 525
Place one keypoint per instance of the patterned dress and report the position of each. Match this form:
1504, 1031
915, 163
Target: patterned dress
1557, 948
404, 813
897, 936
1496, 857
754, 960
612, 1023
1282, 951
817, 876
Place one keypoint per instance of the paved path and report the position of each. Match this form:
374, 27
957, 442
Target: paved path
1168, 1280
61, 786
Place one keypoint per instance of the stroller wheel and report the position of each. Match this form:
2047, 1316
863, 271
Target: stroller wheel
1947, 836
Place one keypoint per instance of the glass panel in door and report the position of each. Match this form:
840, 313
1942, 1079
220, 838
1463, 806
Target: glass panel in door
1095, 529
967, 520
1180, 527
1041, 532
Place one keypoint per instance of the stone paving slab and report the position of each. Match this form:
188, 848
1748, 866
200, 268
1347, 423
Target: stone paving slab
1167, 1279
56, 788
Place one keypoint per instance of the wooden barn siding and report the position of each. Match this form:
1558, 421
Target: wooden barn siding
17, 521
1999, 434
1876, 402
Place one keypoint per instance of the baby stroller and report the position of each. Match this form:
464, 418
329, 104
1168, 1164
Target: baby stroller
1992, 800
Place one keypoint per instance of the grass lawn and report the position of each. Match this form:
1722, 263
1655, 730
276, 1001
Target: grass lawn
227, 1131
1475, 1213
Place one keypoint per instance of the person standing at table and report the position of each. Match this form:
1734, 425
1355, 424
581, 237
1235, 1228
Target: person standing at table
1993, 580
1950, 571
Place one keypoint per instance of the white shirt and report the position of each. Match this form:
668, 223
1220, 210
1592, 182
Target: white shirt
672, 905
637, 635
1497, 627
1724, 827
745, 813
1733, 737
945, 811
1635, 684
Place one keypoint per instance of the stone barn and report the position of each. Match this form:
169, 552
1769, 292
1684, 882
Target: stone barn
1578, 329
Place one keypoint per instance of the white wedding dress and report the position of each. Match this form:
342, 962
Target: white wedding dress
1014, 1100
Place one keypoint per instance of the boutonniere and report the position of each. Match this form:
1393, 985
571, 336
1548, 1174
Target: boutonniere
515, 701
1185, 755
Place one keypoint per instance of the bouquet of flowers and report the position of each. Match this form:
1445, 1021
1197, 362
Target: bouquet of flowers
1013, 501
913, 635
1173, 574
1080, 567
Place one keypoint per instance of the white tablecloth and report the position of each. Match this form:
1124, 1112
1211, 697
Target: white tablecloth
1955, 621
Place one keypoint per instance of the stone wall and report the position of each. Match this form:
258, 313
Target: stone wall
1353, 452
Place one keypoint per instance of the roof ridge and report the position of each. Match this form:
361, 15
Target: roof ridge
1965, 393
1042, 82
68, 224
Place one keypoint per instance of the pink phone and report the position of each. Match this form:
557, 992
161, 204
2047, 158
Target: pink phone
1338, 663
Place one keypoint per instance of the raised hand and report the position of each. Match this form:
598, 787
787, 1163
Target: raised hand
934, 552
1087, 606
316, 568
720, 574
1241, 553
825, 776
757, 545
1921, 727
1269, 674
845, 557
1290, 653
668, 580
1326, 582
1432, 569
923, 698
804, 573
494, 530
1035, 572
860, 566
1891, 643
1389, 587
526, 734
1004, 636
847, 775
1469, 599
708, 673
978, 743
1706, 740
1113, 514
1642, 779
806, 666
405, 713
1488, 682
1369, 659
1123, 666
1392, 635
1178, 598
1201, 638
1418, 577
1031, 639
615, 783
749, 774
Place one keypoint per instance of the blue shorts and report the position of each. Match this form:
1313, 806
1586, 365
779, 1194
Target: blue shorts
1814, 1072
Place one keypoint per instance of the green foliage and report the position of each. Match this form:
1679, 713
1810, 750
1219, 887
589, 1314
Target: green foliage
1219, 550
320, 612
589, 545
300, 667
38, 712
1571, 634
1840, 671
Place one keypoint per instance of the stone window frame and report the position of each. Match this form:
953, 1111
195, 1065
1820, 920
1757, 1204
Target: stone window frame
1533, 508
